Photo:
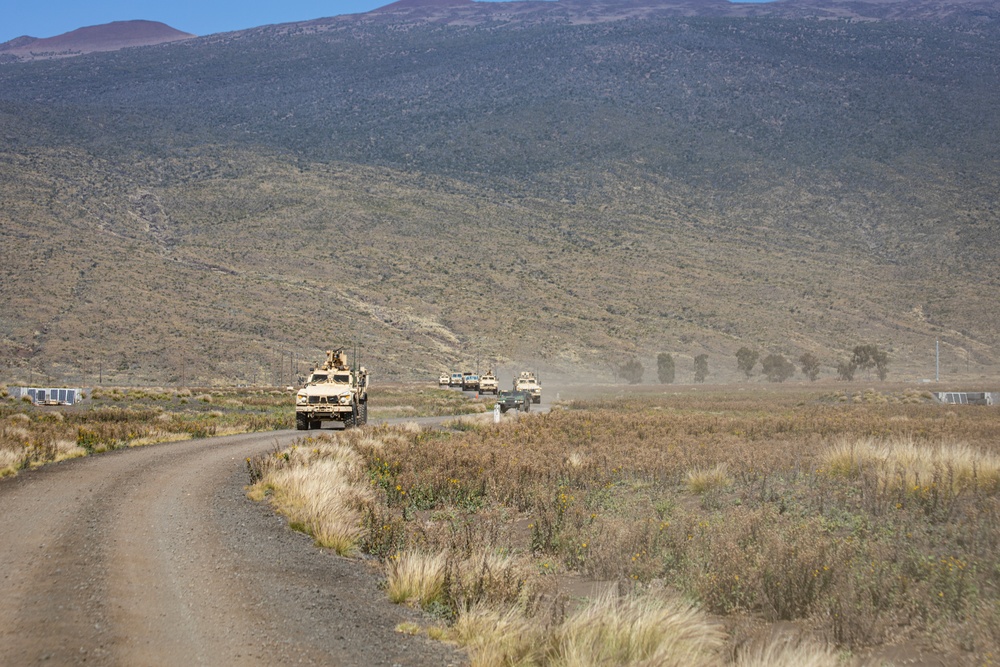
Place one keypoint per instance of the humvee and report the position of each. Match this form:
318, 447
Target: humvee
470, 382
514, 400
488, 383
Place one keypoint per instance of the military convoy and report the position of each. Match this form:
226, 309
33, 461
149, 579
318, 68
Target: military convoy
334, 392
527, 381
337, 391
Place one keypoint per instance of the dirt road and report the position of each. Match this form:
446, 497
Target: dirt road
154, 556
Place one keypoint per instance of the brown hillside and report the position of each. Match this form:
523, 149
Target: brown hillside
557, 195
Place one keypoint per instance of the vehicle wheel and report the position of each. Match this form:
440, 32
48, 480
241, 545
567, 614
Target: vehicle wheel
363, 414
301, 423
536, 399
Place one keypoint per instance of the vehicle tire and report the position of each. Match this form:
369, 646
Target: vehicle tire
301, 423
352, 420
536, 399
363, 414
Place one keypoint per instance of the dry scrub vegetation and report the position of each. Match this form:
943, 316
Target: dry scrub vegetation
114, 418
715, 518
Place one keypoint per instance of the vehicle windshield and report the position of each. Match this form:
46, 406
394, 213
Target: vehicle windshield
318, 377
342, 377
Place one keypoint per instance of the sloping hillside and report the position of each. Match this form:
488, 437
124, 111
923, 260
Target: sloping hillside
106, 37
564, 195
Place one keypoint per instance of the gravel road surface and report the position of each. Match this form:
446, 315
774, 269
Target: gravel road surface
154, 556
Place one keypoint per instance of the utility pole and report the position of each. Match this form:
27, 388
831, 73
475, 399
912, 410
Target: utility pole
937, 361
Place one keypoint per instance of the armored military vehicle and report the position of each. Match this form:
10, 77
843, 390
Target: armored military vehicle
444, 379
488, 383
334, 392
527, 381
456, 380
470, 382
514, 400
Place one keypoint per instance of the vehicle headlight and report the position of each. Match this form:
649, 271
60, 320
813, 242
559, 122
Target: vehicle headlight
301, 399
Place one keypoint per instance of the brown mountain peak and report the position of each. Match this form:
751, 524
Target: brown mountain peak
106, 37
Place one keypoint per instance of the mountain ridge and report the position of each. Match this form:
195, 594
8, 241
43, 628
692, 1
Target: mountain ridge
93, 39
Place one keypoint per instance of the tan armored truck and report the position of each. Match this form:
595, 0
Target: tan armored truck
333, 392
527, 381
470, 381
488, 383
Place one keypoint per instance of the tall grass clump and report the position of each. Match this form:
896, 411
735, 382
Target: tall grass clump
414, 577
902, 461
11, 460
634, 630
701, 481
789, 652
320, 489
496, 636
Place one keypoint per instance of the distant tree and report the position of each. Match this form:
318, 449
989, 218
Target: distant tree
845, 370
665, 368
809, 365
867, 357
777, 368
745, 360
632, 371
700, 367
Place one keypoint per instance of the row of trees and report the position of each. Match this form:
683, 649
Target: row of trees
775, 367
778, 369
632, 370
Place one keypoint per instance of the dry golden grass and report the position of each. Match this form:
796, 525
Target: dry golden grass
128, 417
413, 577
11, 461
701, 481
782, 652
608, 630
637, 630
500, 637
903, 462
322, 493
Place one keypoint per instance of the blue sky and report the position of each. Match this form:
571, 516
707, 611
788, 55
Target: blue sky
48, 18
